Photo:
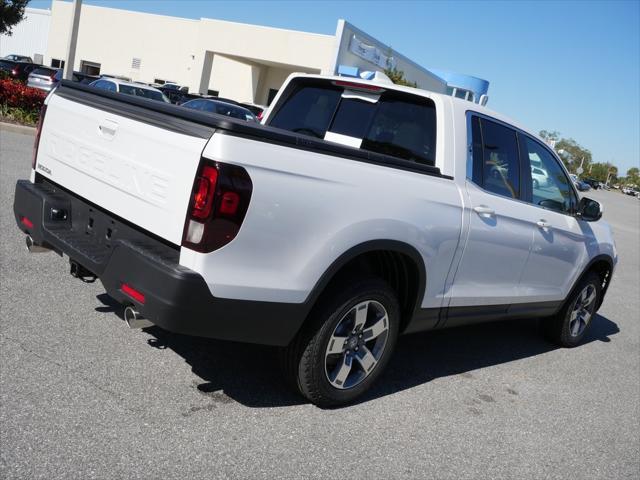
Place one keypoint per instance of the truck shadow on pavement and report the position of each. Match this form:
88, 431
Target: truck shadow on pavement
251, 374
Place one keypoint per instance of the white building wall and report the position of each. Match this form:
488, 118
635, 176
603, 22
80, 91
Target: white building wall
30, 36
112, 38
224, 69
235, 58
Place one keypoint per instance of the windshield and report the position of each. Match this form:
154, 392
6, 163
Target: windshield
47, 72
143, 92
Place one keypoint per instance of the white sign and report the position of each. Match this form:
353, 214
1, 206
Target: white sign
579, 170
371, 53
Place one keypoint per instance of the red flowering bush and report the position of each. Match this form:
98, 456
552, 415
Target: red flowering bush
15, 94
19, 102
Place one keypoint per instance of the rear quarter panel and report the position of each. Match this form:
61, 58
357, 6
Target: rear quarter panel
309, 208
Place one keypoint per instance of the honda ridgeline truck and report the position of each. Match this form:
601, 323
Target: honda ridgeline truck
359, 211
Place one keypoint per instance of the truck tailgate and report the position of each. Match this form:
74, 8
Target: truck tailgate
138, 166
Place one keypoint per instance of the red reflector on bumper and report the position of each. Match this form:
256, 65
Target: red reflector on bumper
132, 292
26, 222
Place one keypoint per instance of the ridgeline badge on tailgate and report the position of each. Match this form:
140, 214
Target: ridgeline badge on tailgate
44, 169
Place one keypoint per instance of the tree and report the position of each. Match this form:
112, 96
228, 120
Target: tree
601, 171
633, 176
573, 154
547, 136
397, 77
11, 13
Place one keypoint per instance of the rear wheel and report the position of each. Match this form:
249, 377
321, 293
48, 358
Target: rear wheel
347, 343
568, 327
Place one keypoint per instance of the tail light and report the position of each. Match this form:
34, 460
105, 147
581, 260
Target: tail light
36, 142
219, 202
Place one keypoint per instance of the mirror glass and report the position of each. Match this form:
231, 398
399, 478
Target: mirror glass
589, 210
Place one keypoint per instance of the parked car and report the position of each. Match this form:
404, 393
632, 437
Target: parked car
175, 93
593, 183
117, 77
112, 84
220, 108
331, 229
630, 191
17, 58
173, 86
45, 78
257, 110
580, 185
539, 177
18, 70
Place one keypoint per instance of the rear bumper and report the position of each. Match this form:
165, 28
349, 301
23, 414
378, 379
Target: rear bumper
175, 298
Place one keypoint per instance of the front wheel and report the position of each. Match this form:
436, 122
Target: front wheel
569, 326
347, 343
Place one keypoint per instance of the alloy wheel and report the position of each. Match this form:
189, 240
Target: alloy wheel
356, 345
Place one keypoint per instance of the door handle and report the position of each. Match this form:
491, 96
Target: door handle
108, 128
543, 224
484, 210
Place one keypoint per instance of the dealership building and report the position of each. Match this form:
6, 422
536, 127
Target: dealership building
248, 63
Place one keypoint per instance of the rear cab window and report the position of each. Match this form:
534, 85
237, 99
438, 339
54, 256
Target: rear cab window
370, 117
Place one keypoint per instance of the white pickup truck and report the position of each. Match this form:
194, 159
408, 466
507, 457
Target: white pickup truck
359, 211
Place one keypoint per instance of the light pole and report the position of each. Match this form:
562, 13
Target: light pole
73, 39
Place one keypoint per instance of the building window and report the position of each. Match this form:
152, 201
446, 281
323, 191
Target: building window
89, 68
135, 63
57, 63
160, 81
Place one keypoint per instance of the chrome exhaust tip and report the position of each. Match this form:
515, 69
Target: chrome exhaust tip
134, 319
33, 247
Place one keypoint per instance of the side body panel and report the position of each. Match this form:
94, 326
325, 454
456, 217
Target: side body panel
307, 209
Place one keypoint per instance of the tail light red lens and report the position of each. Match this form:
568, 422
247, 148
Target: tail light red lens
204, 191
229, 203
36, 142
219, 202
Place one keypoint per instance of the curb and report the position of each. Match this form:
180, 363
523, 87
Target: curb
12, 127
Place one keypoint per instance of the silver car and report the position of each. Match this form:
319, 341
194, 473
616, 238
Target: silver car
44, 78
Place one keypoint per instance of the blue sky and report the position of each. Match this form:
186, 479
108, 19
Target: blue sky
568, 66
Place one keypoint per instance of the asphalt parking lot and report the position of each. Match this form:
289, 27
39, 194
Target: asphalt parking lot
82, 396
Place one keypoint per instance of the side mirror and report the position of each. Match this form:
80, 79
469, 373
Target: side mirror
589, 210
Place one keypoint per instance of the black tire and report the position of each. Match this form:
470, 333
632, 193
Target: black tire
304, 359
561, 328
